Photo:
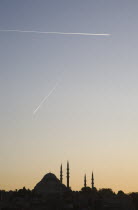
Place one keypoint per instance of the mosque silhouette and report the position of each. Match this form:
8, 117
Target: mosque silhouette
51, 194
51, 184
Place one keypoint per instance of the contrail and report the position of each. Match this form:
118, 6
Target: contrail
45, 98
51, 32
54, 32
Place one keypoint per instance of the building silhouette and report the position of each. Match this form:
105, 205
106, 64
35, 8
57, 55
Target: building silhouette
68, 174
61, 174
51, 194
92, 181
51, 184
85, 181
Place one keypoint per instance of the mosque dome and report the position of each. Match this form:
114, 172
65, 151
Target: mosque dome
50, 184
49, 176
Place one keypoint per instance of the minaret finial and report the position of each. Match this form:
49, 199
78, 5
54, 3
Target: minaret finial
61, 174
92, 180
67, 174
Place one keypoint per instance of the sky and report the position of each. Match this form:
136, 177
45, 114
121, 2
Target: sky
90, 116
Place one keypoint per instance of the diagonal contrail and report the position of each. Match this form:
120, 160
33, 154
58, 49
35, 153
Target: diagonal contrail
54, 32
45, 98
51, 32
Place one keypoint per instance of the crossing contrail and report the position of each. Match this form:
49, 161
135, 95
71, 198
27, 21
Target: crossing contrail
54, 32
45, 98
51, 32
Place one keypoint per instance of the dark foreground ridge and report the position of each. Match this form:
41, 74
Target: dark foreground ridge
86, 199
51, 194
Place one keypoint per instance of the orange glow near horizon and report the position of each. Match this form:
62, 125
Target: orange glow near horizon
101, 179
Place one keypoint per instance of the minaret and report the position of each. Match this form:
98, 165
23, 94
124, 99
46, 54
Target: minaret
85, 181
92, 180
67, 174
61, 174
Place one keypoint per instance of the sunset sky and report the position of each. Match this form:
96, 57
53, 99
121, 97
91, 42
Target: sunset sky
90, 116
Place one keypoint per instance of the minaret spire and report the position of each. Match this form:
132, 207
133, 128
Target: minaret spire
67, 174
85, 181
92, 180
61, 174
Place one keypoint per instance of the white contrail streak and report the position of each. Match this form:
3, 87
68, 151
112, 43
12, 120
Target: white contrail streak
44, 99
54, 32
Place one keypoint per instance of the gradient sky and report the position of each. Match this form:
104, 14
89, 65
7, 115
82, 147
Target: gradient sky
91, 118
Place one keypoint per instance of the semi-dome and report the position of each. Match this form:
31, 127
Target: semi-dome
50, 184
